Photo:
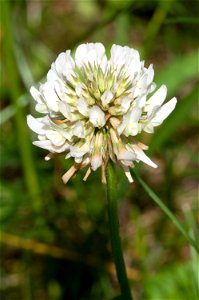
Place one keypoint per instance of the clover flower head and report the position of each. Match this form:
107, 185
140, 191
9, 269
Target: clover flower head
94, 108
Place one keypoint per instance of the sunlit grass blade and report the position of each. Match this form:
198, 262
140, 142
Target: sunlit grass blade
165, 209
172, 123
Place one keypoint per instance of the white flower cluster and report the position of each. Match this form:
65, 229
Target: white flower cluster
94, 107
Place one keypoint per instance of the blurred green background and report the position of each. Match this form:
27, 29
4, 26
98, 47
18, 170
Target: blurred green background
54, 237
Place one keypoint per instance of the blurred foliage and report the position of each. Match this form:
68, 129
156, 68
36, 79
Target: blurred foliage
54, 238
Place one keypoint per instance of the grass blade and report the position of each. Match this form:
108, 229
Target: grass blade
165, 209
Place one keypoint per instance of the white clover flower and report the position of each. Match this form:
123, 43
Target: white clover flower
94, 108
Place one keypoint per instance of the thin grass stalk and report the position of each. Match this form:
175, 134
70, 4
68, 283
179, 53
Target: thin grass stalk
166, 210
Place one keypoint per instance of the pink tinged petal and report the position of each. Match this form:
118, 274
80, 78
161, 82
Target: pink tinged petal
97, 116
140, 155
157, 99
82, 107
55, 137
35, 124
78, 130
142, 146
114, 122
66, 177
163, 112
88, 172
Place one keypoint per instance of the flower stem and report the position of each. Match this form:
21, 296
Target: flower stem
114, 233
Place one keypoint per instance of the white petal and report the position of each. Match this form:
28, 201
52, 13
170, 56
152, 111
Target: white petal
106, 97
50, 96
96, 162
78, 90
61, 92
125, 103
140, 155
124, 154
91, 52
49, 146
97, 116
130, 124
125, 59
36, 95
82, 107
65, 109
52, 76
78, 130
41, 108
164, 111
79, 151
35, 124
140, 102
64, 64
150, 74
55, 137
157, 99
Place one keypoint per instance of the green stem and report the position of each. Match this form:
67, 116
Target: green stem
114, 233
165, 209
